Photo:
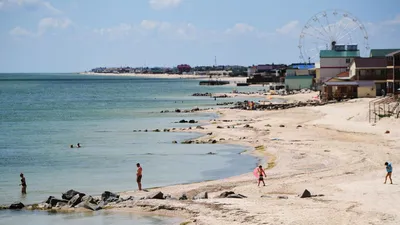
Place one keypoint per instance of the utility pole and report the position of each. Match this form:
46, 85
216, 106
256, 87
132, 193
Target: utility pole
215, 61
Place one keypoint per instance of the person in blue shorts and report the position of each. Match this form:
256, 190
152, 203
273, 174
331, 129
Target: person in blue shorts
389, 171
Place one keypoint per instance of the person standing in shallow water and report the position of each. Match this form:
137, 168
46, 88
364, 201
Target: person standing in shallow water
389, 170
139, 176
23, 184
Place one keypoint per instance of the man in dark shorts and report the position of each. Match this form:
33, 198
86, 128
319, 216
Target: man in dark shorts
23, 184
261, 174
139, 176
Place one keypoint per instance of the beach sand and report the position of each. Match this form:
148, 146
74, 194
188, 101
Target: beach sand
330, 150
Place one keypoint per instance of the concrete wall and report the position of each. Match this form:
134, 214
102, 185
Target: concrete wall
352, 71
365, 92
331, 67
302, 72
296, 83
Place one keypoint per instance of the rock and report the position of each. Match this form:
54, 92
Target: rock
91, 206
2, 207
265, 196
219, 127
145, 130
182, 121
236, 196
16, 205
281, 125
174, 142
298, 126
283, 197
209, 133
222, 139
88, 198
202, 195
387, 132
306, 194
192, 121
268, 125
156, 130
75, 200
177, 110
187, 142
246, 126
48, 199
183, 197
211, 153
167, 197
70, 194
156, 195
200, 127
61, 204
225, 194
214, 141
54, 201
108, 196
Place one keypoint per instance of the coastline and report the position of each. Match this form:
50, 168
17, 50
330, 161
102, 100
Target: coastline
170, 76
315, 150
330, 150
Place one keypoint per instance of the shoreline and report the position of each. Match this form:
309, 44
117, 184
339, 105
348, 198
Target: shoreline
330, 150
170, 76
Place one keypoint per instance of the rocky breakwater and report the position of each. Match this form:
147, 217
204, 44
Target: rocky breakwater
185, 110
69, 201
279, 106
202, 94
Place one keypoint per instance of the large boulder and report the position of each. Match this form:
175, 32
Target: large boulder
202, 195
108, 196
226, 193
88, 198
61, 204
236, 196
48, 199
92, 206
70, 194
16, 205
75, 200
306, 194
54, 201
156, 195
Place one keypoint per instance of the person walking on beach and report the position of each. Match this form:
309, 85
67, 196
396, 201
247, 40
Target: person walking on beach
23, 184
261, 174
139, 176
389, 170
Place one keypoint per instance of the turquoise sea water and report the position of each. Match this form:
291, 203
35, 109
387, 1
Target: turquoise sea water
42, 114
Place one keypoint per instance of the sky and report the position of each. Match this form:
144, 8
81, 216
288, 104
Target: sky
78, 35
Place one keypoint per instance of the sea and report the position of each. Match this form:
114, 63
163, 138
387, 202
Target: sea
41, 115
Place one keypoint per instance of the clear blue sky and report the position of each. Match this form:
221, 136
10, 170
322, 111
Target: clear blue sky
77, 35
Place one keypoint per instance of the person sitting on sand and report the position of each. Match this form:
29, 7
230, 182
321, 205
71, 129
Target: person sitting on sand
389, 170
261, 174
139, 176
23, 184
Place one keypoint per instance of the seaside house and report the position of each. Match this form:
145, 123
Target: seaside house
337, 60
299, 82
393, 72
381, 53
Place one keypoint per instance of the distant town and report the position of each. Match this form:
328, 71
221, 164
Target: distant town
340, 72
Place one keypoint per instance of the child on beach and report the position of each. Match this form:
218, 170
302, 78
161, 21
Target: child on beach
261, 174
389, 170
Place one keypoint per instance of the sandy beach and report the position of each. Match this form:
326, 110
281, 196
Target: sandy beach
330, 150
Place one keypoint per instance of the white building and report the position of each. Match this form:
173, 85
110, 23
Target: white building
333, 62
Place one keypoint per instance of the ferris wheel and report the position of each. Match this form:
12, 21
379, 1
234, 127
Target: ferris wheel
329, 28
